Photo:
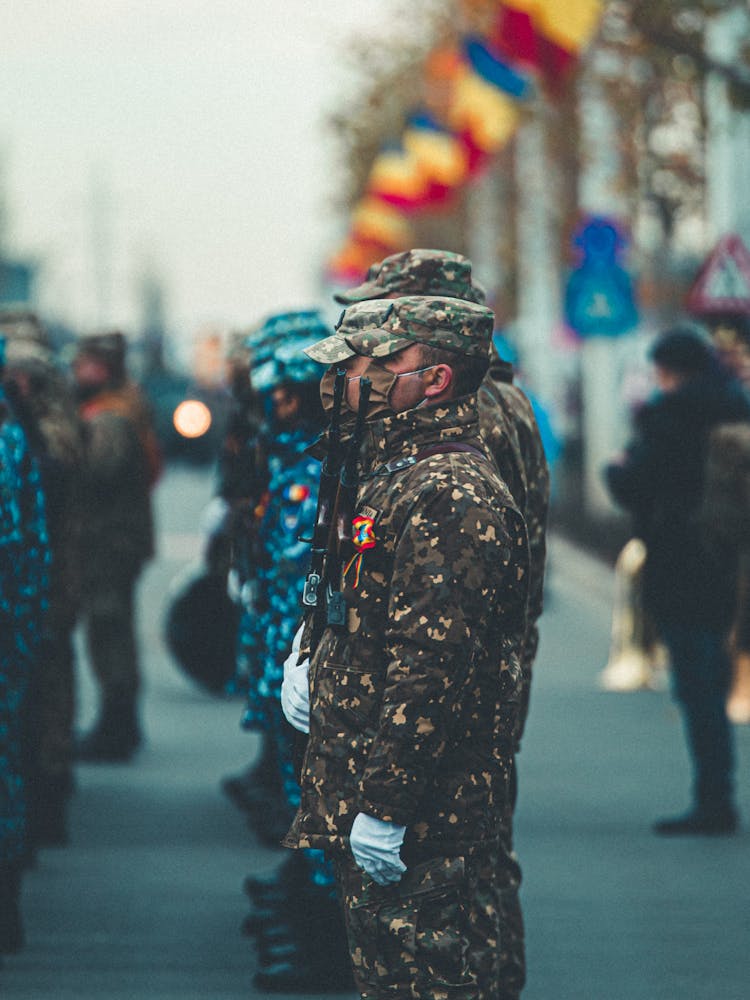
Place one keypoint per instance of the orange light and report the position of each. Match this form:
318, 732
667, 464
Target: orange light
192, 418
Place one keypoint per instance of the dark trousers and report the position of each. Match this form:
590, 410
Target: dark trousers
701, 675
110, 634
435, 933
50, 711
512, 954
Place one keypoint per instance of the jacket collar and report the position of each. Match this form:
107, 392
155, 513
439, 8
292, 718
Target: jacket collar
408, 433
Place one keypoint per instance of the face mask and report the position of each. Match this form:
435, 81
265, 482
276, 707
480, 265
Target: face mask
326, 390
382, 381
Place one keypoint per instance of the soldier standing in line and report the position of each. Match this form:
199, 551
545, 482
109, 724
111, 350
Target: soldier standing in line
44, 403
123, 463
415, 699
296, 918
24, 564
509, 428
243, 486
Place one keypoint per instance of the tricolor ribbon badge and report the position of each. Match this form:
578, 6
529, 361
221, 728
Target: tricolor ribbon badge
363, 538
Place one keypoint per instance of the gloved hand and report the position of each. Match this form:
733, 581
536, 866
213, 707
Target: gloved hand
295, 693
375, 845
215, 516
297, 640
234, 586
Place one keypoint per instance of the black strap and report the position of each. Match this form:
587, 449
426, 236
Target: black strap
399, 464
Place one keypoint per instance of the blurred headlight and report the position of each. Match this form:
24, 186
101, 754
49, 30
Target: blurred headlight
192, 419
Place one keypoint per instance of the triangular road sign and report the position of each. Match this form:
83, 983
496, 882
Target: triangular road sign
723, 283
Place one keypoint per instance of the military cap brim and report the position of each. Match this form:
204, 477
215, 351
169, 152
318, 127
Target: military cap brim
367, 290
372, 343
330, 350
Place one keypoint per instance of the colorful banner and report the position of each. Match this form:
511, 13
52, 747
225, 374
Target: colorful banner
473, 93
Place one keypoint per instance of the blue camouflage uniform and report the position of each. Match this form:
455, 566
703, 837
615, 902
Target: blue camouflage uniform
267, 345
288, 516
24, 562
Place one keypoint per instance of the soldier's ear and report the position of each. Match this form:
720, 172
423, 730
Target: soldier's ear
438, 381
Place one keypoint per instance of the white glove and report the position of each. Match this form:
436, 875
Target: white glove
297, 640
234, 587
375, 845
214, 517
295, 693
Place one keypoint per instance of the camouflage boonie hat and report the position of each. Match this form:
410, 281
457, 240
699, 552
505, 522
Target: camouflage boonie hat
278, 356
417, 272
447, 323
26, 337
109, 347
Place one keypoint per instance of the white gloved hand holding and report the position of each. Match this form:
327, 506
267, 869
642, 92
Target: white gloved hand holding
375, 845
295, 693
297, 640
215, 516
234, 586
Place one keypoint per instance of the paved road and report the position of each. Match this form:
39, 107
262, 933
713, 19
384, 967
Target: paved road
613, 912
146, 901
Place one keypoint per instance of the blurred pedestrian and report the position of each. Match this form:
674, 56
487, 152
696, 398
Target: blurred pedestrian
729, 454
689, 587
24, 562
123, 462
414, 699
508, 426
44, 403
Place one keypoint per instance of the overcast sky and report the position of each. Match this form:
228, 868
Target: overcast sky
195, 128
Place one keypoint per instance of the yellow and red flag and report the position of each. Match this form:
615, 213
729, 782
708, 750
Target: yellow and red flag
472, 98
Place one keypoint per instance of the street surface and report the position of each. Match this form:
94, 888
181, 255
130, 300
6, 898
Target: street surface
146, 902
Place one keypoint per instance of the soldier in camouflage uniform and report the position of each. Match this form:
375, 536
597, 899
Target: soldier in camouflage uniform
287, 384
509, 428
123, 463
296, 918
506, 417
244, 475
415, 702
44, 403
24, 567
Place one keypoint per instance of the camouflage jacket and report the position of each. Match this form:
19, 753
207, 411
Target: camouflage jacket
118, 532
414, 705
510, 430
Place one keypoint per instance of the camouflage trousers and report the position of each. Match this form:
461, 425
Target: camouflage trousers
512, 940
50, 710
436, 935
109, 623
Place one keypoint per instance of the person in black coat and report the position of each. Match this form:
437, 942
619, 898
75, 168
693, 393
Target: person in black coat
689, 585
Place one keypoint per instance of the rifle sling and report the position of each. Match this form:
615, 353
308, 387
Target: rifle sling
399, 464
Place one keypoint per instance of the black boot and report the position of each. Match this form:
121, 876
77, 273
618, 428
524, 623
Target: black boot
288, 882
249, 789
271, 824
704, 820
115, 737
308, 953
11, 926
47, 810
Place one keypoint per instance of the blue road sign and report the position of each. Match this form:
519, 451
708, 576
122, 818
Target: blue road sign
599, 294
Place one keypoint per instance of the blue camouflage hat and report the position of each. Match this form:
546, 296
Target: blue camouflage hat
277, 349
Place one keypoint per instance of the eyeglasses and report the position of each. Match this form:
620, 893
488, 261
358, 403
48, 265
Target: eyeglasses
417, 371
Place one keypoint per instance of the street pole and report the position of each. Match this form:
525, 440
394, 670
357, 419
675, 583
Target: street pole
539, 296
604, 417
728, 138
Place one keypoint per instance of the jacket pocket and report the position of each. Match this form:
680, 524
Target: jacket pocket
346, 697
421, 928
